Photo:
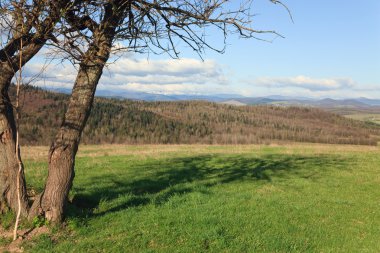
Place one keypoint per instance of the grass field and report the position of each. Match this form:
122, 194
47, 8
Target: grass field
370, 117
182, 198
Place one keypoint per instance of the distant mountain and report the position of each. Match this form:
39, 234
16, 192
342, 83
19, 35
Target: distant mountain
58, 90
162, 97
373, 102
347, 103
321, 103
355, 103
255, 101
233, 102
280, 97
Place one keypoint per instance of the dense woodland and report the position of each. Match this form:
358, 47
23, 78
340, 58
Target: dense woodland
126, 121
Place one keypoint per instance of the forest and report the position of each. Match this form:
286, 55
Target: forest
189, 122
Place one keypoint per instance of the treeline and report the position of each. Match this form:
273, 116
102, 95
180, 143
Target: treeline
138, 122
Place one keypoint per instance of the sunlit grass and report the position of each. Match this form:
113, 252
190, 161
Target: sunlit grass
246, 198
370, 117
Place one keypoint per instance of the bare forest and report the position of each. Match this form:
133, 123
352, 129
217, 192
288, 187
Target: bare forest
188, 122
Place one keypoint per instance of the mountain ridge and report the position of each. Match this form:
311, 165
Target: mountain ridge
360, 102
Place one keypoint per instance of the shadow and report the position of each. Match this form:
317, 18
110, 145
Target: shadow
156, 182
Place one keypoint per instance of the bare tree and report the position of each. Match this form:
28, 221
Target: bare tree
25, 26
93, 30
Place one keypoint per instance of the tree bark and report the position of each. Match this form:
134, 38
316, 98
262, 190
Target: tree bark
63, 150
8, 157
10, 62
51, 203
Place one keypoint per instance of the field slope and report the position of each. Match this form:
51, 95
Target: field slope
248, 198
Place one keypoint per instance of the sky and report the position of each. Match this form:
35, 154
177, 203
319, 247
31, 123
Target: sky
332, 49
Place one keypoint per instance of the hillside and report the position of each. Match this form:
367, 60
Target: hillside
126, 121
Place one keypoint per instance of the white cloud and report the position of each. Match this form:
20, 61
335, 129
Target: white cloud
307, 83
192, 76
164, 76
297, 92
170, 89
182, 67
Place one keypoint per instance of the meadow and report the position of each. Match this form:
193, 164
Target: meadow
204, 198
369, 117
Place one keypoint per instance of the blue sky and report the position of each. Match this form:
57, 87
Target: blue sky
331, 50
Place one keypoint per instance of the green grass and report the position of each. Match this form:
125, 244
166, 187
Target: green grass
220, 199
369, 117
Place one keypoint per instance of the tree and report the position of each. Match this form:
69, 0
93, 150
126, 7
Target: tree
25, 28
91, 31
105, 27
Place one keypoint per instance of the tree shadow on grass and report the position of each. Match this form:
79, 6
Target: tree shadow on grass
155, 182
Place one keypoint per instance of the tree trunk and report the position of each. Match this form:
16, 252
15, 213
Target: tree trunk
64, 148
8, 159
51, 203
11, 60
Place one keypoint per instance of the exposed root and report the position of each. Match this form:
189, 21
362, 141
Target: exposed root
23, 235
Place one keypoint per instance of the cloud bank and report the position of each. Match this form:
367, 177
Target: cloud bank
308, 83
193, 76
157, 76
